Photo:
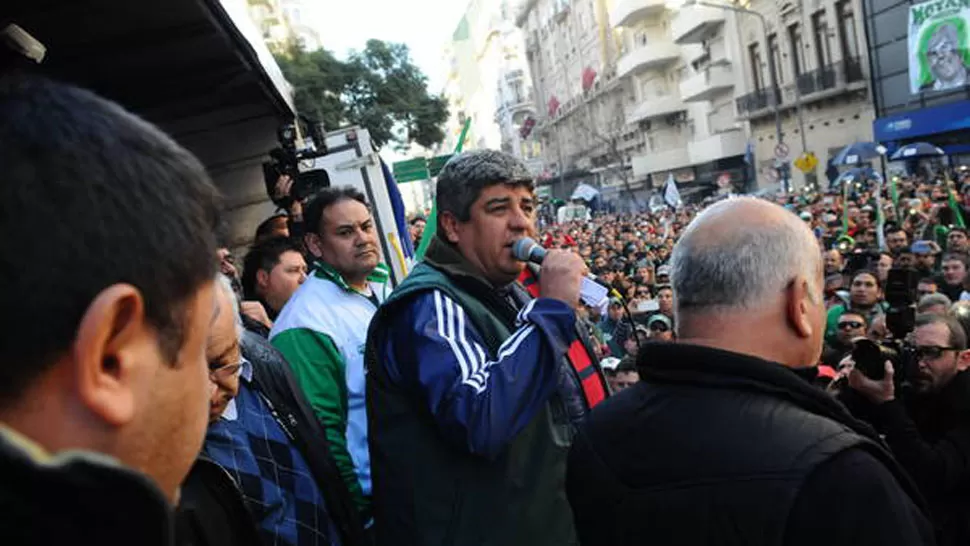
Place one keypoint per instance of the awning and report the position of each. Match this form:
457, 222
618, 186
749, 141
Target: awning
167, 61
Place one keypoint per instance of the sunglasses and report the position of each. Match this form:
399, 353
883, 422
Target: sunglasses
223, 373
930, 352
850, 324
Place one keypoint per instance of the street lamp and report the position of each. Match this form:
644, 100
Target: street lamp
772, 70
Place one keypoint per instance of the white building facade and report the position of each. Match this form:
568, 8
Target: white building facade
821, 59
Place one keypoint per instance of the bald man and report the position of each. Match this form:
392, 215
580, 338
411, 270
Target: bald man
723, 436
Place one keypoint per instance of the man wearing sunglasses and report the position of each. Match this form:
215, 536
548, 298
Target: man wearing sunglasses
928, 426
851, 325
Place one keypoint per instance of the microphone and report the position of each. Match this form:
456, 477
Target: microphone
527, 250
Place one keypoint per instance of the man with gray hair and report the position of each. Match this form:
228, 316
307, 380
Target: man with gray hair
725, 435
475, 381
264, 435
935, 304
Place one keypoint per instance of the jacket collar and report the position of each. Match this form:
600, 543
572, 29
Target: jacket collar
325, 271
446, 257
716, 368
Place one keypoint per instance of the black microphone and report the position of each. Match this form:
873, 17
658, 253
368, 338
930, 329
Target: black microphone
527, 250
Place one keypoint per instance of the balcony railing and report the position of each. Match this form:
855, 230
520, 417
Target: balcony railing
758, 100
853, 70
817, 80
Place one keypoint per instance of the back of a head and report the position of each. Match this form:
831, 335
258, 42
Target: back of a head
738, 256
92, 196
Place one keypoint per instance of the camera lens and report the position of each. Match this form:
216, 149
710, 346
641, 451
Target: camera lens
870, 358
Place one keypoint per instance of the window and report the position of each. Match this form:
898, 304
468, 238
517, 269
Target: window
848, 40
797, 49
823, 48
775, 53
756, 69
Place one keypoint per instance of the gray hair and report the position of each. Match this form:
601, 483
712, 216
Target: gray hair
931, 300
464, 176
225, 285
958, 337
742, 267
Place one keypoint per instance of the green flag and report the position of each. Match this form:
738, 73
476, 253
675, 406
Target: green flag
432, 224
845, 206
951, 198
894, 195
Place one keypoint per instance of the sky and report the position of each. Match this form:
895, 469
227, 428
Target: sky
424, 25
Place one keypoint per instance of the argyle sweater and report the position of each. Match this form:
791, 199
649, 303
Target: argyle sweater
275, 479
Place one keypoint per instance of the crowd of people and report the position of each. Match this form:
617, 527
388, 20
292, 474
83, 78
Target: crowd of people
155, 390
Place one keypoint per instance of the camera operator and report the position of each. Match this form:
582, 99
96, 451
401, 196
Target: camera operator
928, 426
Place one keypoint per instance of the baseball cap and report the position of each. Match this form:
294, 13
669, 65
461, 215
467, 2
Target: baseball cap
924, 247
609, 363
805, 215
663, 270
659, 317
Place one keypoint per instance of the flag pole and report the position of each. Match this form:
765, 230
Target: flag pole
431, 226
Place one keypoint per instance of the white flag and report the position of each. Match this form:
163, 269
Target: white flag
671, 194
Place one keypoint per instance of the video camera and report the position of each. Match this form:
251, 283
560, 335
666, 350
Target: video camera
869, 356
285, 160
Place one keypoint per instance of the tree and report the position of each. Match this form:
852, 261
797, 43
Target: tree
378, 88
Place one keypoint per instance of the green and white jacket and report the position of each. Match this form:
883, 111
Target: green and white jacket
322, 331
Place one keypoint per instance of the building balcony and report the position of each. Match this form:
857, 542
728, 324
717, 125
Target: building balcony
720, 145
666, 160
630, 12
707, 84
655, 107
757, 103
647, 57
694, 24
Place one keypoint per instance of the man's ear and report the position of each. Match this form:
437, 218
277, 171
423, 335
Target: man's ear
448, 226
799, 306
963, 360
262, 278
313, 244
112, 353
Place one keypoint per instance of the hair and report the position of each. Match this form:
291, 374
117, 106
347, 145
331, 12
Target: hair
895, 229
865, 319
96, 196
871, 272
225, 285
265, 228
958, 256
417, 219
627, 364
927, 280
962, 230
931, 300
465, 175
958, 338
751, 263
263, 256
326, 198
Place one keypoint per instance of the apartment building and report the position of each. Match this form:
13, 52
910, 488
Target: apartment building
820, 54
682, 69
580, 100
280, 21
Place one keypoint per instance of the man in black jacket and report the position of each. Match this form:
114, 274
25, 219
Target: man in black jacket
106, 259
723, 441
265, 437
928, 426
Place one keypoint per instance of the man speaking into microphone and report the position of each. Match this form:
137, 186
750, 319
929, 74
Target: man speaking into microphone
475, 381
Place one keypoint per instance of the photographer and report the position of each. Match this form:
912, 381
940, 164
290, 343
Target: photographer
928, 425
851, 325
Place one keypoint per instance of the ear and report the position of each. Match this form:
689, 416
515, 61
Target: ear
313, 244
963, 360
448, 226
799, 306
112, 353
262, 278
